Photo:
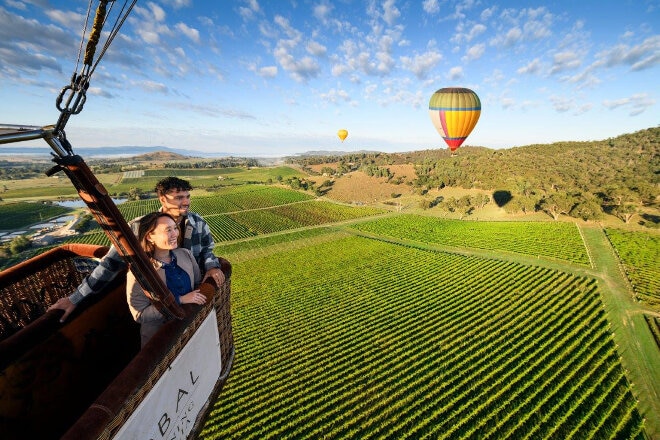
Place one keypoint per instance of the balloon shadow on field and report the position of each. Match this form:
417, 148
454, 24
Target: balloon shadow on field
502, 197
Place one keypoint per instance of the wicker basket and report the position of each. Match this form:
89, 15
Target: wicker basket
98, 373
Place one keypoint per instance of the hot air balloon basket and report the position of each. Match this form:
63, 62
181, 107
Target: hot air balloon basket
84, 378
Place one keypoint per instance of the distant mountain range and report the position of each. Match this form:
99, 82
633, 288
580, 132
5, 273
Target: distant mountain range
125, 151
130, 151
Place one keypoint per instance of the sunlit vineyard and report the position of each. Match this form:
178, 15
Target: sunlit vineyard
360, 338
98, 238
640, 254
254, 198
220, 177
244, 224
21, 214
138, 208
545, 239
318, 212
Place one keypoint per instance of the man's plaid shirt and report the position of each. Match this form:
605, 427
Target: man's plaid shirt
196, 237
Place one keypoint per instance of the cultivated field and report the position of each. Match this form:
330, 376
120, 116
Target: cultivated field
640, 254
357, 322
365, 338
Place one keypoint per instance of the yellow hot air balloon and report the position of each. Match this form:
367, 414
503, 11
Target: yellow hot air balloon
454, 112
342, 134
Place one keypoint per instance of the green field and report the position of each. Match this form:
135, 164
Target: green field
362, 338
208, 177
17, 215
556, 240
640, 254
354, 322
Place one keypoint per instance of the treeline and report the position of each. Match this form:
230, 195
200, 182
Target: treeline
580, 179
228, 162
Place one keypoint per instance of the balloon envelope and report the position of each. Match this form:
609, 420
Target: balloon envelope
454, 112
342, 134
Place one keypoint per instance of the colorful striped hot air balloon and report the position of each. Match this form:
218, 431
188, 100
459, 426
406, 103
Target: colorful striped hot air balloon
454, 111
342, 134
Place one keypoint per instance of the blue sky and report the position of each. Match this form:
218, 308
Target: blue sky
278, 77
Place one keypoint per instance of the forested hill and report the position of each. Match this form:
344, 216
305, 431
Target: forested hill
621, 174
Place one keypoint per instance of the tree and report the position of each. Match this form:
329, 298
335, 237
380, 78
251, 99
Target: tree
526, 203
625, 211
587, 209
481, 200
19, 244
557, 203
134, 194
464, 206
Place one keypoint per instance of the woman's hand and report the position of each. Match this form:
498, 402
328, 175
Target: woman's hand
194, 297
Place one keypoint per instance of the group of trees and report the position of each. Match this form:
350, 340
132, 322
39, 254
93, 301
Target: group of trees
584, 180
464, 205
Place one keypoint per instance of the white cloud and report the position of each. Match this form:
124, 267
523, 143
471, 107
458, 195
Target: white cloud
178, 4
487, 13
583, 79
268, 71
249, 11
212, 111
300, 70
97, 91
431, 6
531, 68
316, 48
67, 19
562, 104
507, 102
421, 64
191, 33
152, 25
584, 108
455, 73
157, 12
565, 61
322, 12
152, 86
642, 56
475, 52
16, 5
638, 103
471, 34
334, 95
512, 37
24, 44
518, 26
390, 12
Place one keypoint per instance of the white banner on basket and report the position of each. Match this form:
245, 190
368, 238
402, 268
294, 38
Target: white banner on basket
169, 411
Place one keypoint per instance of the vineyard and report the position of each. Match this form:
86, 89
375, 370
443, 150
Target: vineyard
359, 338
214, 177
640, 254
557, 240
19, 214
238, 213
368, 330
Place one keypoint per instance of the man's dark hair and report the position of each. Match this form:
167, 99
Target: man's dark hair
172, 183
